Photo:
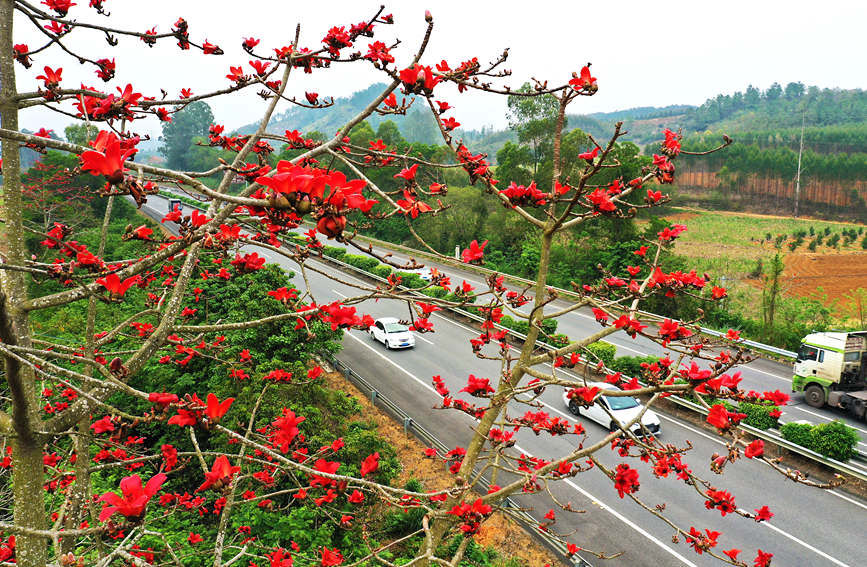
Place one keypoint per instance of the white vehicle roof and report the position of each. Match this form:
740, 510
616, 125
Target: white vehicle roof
831, 340
385, 320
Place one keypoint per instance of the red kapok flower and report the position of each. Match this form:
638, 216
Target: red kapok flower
370, 464
109, 161
219, 475
134, 500
475, 253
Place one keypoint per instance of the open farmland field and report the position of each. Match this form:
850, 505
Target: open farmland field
730, 245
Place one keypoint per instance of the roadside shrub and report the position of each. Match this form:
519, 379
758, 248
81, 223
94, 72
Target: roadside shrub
365, 263
835, 440
435, 291
381, 270
410, 280
631, 365
549, 326
334, 251
604, 352
558, 340
758, 415
410, 519
522, 327
798, 433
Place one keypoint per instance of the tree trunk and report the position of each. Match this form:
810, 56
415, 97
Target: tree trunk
27, 474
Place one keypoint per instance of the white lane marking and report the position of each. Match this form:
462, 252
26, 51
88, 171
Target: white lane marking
417, 335
623, 518
805, 544
820, 416
604, 506
777, 376
694, 430
847, 499
586, 494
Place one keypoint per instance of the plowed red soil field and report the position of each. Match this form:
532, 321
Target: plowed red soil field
835, 274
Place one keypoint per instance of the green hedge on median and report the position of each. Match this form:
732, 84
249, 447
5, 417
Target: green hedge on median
835, 440
365, 263
603, 351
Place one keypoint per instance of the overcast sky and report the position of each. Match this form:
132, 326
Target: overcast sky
643, 53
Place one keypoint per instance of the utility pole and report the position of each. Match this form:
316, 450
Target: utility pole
798, 175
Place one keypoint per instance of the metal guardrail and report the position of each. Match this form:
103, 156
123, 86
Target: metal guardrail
485, 271
859, 473
411, 426
752, 344
758, 433
780, 441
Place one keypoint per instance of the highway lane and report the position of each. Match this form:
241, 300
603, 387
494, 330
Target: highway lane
405, 377
759, 375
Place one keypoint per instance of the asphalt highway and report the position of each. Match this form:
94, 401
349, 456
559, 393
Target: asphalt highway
809, 527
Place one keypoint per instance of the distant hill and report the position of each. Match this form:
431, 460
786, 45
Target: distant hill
416, 126
836, 119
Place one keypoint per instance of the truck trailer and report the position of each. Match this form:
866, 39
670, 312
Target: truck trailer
831, 369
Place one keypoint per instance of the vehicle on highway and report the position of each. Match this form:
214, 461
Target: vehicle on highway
392, 333
423, 273
175, 204
623, 408
831, 368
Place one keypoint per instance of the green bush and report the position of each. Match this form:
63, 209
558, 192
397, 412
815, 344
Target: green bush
604, 352
410, 280
549, 326
797, 433
835, 440
365, 263
558, 340
435, 291
381, 270
409, 520
334, 251
758, 415
631, 365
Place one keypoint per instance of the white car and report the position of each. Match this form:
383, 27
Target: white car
624, 408
393, 334
423, 273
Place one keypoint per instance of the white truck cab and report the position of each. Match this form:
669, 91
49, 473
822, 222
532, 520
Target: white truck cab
831, 368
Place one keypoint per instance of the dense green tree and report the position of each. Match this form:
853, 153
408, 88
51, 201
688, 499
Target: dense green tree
390, 134
534, 119
81, 133
177, 138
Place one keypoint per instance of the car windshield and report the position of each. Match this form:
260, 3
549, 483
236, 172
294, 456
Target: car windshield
618, 403
395, 328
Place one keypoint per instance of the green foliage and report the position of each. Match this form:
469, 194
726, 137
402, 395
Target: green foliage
835, 440
605, 352
411, 280
365, 263
382, 270
334, 251
631, 365
435, 291
194, 120
408, 520
758, 415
